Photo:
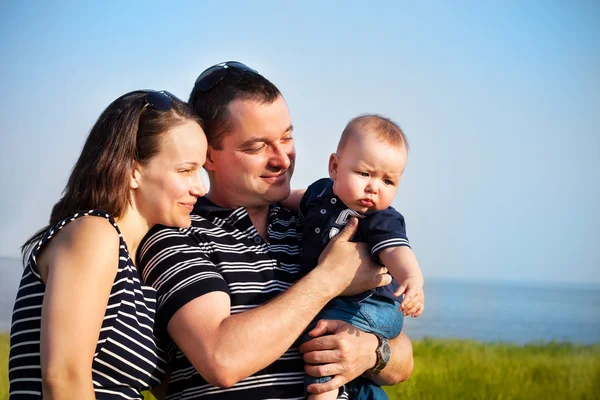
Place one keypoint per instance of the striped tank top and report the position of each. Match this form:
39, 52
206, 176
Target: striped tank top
128, 356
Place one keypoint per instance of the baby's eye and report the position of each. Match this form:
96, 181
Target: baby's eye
388, 182
365, 174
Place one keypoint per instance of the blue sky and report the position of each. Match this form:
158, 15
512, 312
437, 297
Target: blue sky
500, 102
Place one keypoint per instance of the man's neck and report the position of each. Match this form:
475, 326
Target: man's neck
259, 215
260, 219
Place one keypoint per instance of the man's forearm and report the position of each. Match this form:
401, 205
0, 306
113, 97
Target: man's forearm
401, 363
228, 348
267, 331
290, 312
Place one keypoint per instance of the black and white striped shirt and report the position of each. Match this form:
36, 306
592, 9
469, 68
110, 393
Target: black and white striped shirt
222, 251
128, 357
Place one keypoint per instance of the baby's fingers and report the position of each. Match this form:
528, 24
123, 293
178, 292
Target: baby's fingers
419, 311
412, 308
409, 297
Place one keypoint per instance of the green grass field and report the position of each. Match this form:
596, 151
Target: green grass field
462, 369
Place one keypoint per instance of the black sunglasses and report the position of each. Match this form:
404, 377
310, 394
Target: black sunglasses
215, 74
160, 100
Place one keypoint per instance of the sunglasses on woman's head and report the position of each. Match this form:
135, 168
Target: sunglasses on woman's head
160, 100
215, 74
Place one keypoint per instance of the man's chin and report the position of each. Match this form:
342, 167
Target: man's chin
277, 193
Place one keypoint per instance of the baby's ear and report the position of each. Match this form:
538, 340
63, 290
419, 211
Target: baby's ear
333, 165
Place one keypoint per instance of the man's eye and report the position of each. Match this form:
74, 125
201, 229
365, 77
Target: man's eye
287, 139
256, 149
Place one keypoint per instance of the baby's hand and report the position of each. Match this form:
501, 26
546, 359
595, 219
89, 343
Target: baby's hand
414, 298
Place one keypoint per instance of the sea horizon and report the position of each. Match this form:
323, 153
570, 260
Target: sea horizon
485, 310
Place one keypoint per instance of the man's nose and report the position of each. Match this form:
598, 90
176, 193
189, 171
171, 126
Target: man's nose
280, 156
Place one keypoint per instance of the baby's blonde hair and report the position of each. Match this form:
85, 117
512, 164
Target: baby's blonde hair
384, 128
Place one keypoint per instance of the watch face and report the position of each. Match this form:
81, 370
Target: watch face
385, 351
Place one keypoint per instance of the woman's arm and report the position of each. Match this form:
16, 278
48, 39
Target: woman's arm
80, 265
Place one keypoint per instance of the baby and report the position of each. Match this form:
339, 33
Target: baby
365, 174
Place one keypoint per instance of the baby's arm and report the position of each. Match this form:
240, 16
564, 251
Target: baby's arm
402, 264
293, 200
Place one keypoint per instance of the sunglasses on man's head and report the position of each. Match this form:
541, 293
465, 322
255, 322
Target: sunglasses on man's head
160, 100
215, 74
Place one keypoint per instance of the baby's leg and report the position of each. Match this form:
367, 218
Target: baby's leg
308, 380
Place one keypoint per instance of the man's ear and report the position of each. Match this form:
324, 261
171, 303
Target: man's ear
334, 160
135, 175
211, 154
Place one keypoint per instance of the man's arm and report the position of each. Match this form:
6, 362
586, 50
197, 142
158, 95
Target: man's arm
346, 352
227, 348
401, 363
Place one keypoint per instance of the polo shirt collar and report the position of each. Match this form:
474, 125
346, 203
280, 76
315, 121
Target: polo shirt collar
233, 216
209, 210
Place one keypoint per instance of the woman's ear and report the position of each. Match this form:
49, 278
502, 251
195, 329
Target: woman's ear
135, 175
333, 165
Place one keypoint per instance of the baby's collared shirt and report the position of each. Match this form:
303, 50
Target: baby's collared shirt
325, 215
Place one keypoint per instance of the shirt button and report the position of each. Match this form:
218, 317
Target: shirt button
323, 211
257, 239
317, 230
333, 200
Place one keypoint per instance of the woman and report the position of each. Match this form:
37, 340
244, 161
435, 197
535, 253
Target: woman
83, 322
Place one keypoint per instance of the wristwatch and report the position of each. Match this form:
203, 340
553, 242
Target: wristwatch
383, 353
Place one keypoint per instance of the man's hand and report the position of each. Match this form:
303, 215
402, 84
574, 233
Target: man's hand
414, 298
340, 350
349, 266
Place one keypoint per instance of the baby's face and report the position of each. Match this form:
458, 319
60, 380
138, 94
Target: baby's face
367, 172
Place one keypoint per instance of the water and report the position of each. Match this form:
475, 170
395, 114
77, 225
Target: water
509, 312
484, 311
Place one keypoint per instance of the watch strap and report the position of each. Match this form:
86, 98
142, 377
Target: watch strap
381, 362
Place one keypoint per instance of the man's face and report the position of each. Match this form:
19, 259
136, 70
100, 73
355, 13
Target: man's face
256, 162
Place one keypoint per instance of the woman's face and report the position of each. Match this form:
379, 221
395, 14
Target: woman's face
170, 183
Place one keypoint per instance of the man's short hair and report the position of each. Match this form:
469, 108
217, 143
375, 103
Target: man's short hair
212, 106
384, 128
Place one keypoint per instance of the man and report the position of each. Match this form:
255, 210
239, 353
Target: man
229, 293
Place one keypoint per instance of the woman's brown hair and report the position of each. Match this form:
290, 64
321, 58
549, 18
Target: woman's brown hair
128, 130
